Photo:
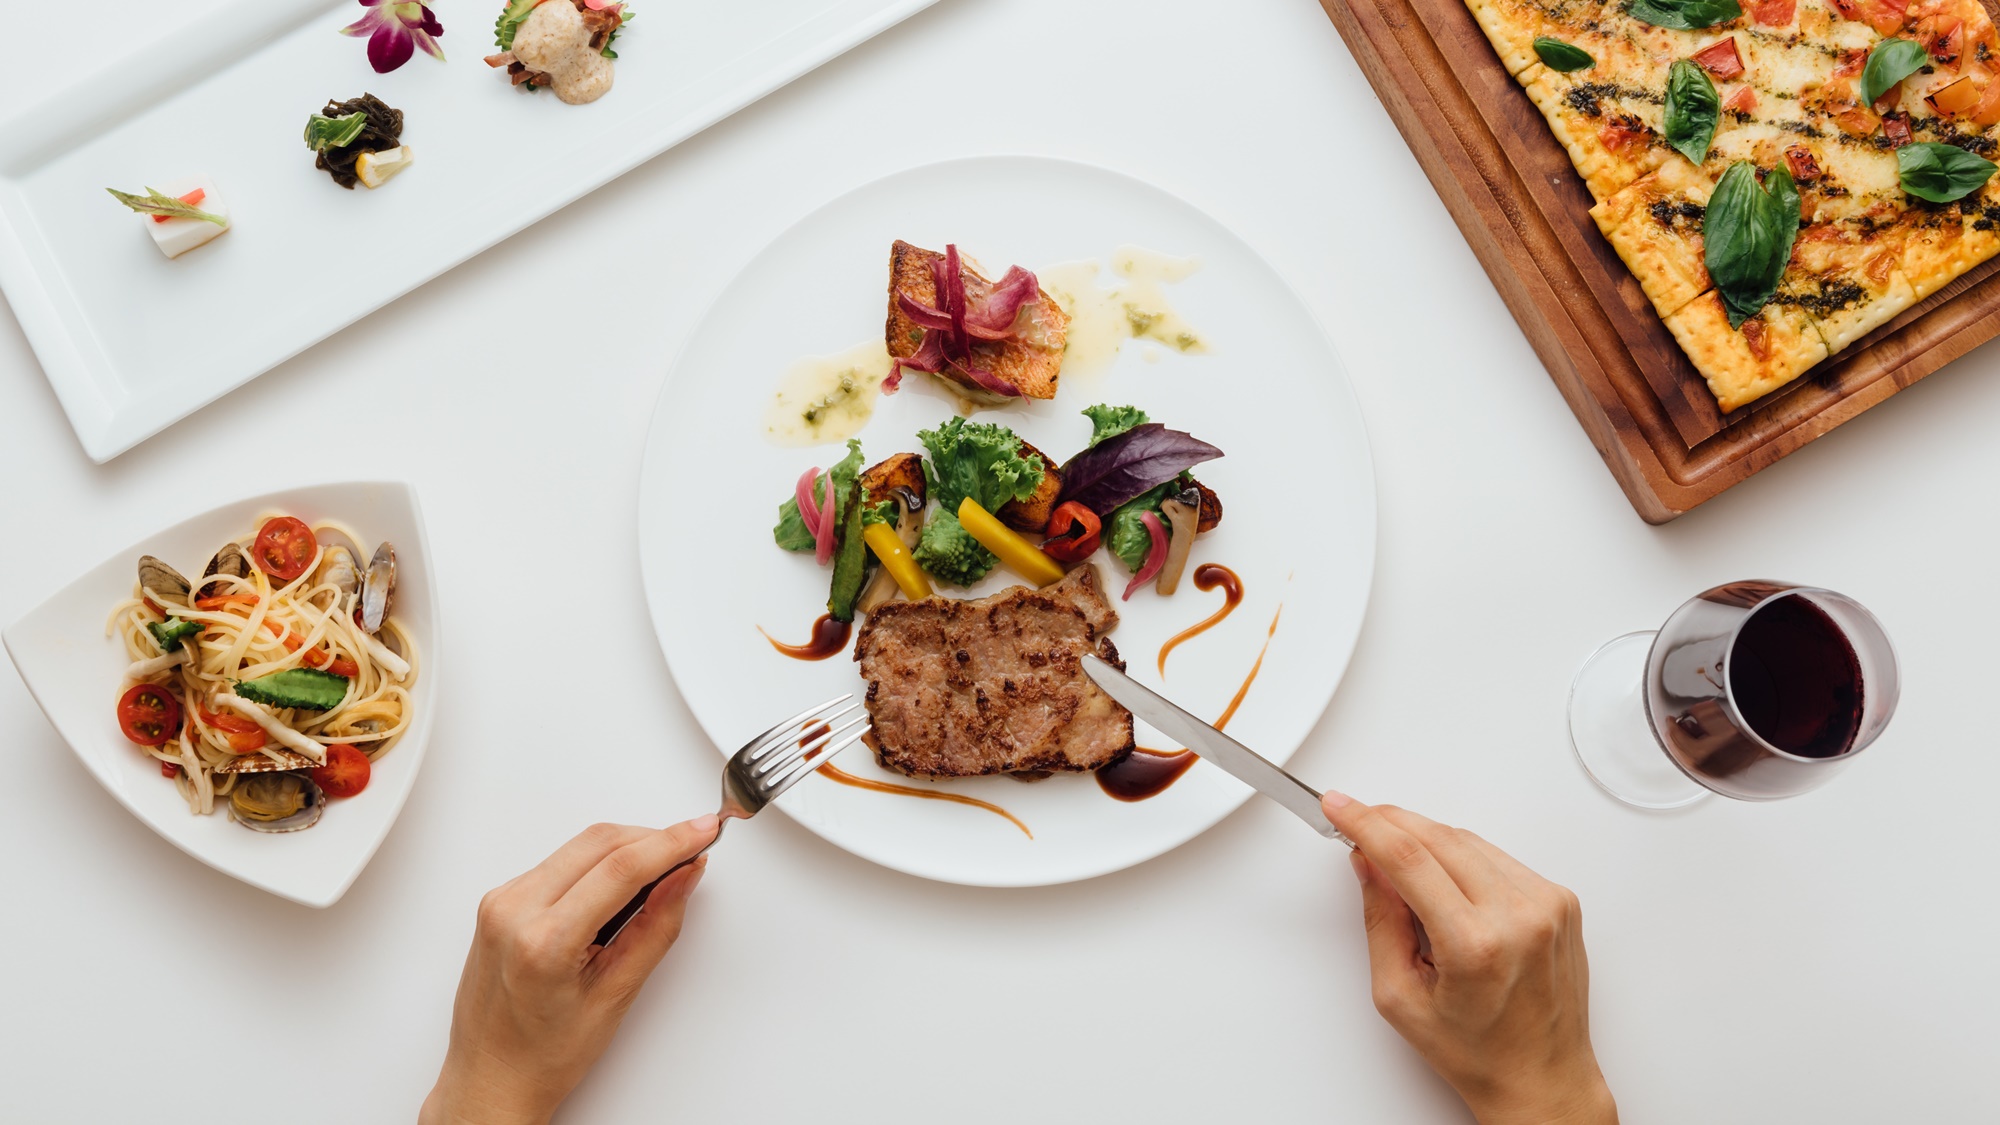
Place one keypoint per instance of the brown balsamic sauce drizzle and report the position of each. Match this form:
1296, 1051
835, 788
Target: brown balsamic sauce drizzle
1143, 773
1207, 576
1148, 773
834, 773
829, 638
1229, 712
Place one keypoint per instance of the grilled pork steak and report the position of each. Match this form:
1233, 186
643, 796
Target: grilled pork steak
963, 688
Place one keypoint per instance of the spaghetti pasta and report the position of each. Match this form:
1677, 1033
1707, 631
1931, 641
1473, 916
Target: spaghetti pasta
256, 624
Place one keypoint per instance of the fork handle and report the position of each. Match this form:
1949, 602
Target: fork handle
626, 913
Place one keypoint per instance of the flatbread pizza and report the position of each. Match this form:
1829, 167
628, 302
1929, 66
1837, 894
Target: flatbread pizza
1782, 177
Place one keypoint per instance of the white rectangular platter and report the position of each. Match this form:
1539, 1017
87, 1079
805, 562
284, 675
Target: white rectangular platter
133, 341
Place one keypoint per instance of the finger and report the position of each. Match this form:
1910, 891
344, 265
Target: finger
1524, 877
547, 881
1392, 929
618, 876
1395, 957
1403, 860
1470, 867
627, 962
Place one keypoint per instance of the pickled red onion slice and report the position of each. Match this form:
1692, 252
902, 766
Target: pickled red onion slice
1156, 557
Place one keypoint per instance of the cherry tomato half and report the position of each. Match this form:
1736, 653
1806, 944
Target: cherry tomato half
149, 714
285, 547
1074, 531
345, 772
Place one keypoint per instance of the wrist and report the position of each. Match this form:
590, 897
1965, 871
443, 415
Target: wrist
460, 1099
1584, 1100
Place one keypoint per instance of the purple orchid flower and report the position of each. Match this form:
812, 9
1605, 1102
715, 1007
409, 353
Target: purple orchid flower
395, 28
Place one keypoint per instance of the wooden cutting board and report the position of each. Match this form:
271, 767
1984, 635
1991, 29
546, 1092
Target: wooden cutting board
1521, 205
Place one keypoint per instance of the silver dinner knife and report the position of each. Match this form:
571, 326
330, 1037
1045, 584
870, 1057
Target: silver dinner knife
1236, 759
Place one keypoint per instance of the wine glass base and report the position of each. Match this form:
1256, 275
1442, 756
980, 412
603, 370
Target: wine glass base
1608, 729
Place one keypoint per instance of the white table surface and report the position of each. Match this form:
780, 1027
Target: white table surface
1826, 959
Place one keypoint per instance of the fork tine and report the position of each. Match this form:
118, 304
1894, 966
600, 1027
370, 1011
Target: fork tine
788, 726
783, 781
794, 742
804, 748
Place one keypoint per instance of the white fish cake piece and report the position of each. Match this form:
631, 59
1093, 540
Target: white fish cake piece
177, 236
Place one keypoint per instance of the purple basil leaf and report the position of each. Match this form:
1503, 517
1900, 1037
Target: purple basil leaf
1117, 469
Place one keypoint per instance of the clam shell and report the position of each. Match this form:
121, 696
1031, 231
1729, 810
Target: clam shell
337, 566
160, 578
378, 589
230, 561
273, 791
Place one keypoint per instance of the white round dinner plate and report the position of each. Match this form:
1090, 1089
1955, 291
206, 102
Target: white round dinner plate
1295, 481
75, 673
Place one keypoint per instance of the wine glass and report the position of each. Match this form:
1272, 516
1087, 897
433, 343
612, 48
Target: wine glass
1754, 690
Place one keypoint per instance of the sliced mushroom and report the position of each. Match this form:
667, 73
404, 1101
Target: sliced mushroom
1183, 512
909, 525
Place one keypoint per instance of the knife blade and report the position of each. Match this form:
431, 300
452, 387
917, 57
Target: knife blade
1236, 759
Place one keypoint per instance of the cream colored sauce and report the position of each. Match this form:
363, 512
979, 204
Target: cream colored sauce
1133, 306
554, 40
827, 398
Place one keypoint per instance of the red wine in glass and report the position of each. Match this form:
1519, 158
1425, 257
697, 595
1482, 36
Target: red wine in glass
1755, 690
1796, 680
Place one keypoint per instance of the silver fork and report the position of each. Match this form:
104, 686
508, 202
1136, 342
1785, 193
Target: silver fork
759, 773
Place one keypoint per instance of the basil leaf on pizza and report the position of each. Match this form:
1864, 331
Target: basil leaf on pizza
1941, 173
1558, 55
1747, 236
1693, 110
1890, 62
1684, 15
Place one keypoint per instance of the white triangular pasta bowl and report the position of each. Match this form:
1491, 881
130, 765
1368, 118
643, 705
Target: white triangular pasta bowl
74, 671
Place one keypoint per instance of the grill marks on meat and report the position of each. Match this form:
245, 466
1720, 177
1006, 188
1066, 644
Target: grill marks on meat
965, 688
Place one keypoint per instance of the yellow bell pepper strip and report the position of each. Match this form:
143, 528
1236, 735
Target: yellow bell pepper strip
1021, 556
897, 560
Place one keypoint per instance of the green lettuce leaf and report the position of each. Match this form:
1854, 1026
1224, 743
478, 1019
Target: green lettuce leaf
885, 511
1108, 422
1128, 537
980, 460
791, 531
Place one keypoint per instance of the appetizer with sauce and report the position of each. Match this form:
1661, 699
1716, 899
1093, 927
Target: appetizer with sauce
275, 680
188, 214
964, 688
564, 45
359, 141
